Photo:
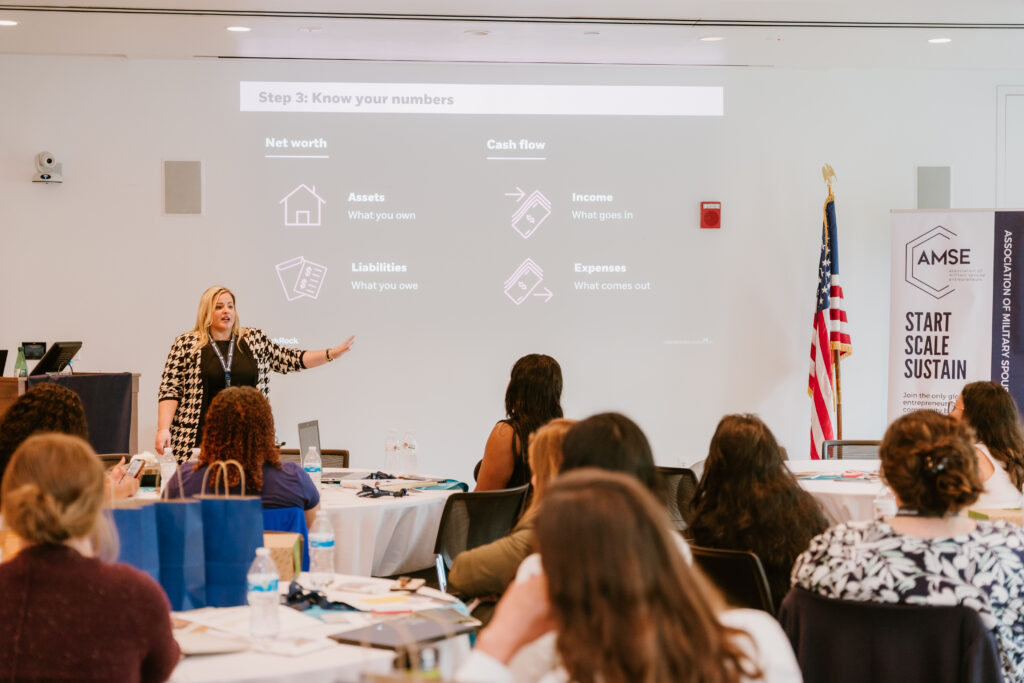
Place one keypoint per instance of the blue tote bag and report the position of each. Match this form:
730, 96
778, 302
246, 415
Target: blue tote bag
232, 531
179, 530
135, 522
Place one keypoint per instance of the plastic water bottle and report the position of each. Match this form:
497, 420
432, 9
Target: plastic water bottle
312, 464
408, 460
321, 551
391, 451
20, 366
263, 597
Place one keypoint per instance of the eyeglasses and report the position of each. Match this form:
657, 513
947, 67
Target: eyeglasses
372, 492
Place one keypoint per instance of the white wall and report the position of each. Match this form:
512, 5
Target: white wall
95, 259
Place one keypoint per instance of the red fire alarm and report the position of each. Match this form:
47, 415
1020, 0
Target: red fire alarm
711, 215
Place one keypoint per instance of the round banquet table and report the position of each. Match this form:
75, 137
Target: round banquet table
382, 536
843, 499
325, 662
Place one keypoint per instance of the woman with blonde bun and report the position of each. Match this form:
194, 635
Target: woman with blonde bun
67, 614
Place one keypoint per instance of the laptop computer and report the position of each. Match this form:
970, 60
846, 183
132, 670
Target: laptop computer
309, 435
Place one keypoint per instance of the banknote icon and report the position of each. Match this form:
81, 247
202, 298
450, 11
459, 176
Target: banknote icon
300, 278
532, 211
523, 281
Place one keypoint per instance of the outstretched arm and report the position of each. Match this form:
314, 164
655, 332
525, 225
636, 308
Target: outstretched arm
312, 359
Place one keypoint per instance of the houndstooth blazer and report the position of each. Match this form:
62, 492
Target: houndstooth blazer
182, 381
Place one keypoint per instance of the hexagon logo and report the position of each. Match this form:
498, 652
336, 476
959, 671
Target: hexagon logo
926, 262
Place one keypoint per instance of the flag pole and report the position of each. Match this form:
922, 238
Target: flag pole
829, 175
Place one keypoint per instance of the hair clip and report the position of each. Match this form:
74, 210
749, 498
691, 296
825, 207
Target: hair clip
934, 466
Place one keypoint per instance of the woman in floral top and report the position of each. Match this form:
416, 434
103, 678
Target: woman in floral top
928, 553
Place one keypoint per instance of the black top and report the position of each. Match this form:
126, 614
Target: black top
521, 473
243, 374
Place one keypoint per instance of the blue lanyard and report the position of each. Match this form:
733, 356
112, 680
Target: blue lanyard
220, 357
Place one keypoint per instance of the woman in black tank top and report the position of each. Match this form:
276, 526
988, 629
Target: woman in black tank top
532, 399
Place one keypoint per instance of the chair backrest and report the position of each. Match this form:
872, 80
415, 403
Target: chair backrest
289, 519
329, 457
111, 459
473, 519
850, 450
678, 484
840, 641
738, 574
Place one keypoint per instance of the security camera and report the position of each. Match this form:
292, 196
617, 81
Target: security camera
48, 170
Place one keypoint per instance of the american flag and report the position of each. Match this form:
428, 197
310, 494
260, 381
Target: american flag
829, 334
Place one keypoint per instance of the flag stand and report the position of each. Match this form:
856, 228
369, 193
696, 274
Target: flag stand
829, 175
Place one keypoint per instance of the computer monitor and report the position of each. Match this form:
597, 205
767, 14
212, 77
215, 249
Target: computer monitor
57, 357
3, 361
309, 435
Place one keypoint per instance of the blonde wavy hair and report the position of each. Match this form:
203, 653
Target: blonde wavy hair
545, 456
204, 316
53, 492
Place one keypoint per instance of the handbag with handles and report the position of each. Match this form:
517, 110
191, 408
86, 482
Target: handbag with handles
232, 531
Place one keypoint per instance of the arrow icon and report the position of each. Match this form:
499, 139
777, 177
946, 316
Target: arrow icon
518, 194
546, 293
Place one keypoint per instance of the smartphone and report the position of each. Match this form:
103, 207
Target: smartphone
134, 469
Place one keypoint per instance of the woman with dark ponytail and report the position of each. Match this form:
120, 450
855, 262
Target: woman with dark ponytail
929, 553
991, 412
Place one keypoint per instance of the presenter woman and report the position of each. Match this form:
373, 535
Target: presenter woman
219, 353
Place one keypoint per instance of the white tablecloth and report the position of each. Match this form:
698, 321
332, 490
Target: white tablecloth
844, 500
382, 536
336, 662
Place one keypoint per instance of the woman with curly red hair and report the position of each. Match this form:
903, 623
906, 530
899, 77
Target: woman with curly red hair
240, 426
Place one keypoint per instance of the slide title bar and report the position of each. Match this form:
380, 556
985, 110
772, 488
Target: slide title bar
458, 98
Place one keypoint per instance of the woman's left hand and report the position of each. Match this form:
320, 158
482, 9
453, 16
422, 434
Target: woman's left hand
342, 348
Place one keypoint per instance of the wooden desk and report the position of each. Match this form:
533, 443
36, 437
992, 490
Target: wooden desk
13, 387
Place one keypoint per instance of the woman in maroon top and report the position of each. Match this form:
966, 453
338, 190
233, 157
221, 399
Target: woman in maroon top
65, 614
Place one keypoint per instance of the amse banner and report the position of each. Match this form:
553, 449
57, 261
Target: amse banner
956, 306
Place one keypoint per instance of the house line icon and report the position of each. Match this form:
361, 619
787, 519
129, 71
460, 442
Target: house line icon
302, 209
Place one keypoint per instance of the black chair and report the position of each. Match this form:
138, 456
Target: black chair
329, 457
841, 641
111, 459
678, 486
473, 519
850, 450
738, 574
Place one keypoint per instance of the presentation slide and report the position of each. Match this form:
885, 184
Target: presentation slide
456, 227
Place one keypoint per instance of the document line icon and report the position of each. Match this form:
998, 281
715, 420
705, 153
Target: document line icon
300, 278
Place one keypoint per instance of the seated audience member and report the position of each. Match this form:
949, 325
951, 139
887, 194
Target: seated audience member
487, 570
612, 442
991, 412
50, 407
239, 426
532, 399
749, 500
623, 601
65, 614
929, 553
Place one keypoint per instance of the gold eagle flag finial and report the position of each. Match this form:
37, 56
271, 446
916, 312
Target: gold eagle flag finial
829, 175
